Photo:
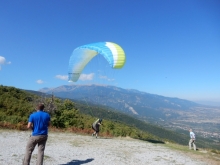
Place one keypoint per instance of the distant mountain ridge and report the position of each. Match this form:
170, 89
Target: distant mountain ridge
130, 101
173, 113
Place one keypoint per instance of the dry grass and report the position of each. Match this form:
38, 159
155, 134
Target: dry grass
212, 158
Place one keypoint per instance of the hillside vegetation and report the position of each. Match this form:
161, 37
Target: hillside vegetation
168, 112
16, 105
164, 134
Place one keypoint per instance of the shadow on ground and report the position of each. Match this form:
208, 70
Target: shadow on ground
155, 141
148, 140
78, 162
105, 138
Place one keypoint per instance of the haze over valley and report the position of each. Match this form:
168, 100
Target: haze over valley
173, 113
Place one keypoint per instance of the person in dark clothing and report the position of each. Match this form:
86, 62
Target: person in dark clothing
96, 126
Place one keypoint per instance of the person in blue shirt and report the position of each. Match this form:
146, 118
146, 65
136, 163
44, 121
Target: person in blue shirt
192, 140
39, 122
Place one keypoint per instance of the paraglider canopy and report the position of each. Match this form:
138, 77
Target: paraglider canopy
82, 55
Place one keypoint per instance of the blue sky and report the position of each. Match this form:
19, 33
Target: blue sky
172, 47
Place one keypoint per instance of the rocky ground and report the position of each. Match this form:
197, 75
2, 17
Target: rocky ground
74, 149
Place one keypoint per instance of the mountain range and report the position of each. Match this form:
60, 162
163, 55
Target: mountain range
126, 100
173, 113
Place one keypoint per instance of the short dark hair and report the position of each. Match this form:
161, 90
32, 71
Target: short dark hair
40, 106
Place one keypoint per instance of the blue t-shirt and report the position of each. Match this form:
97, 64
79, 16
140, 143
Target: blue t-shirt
40, 120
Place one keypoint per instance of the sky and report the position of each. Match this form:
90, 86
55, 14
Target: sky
172, 47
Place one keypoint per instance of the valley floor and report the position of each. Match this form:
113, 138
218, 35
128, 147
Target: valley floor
74, 149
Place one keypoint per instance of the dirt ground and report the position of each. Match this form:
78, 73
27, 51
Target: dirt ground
74, 149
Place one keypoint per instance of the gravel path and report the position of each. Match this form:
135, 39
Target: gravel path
73, 149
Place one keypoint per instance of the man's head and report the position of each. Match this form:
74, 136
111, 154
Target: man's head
100, 120
40, 106
190, 130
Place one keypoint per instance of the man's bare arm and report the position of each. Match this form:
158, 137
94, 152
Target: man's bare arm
29, 126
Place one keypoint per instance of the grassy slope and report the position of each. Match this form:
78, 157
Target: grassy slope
166, 135
210, 156
20, 98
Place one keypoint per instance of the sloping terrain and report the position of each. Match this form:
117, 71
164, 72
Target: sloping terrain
173, 113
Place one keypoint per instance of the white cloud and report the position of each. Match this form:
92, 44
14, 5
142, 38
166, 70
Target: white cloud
2, 60
85, 77
40, 81
62, 77
106, 78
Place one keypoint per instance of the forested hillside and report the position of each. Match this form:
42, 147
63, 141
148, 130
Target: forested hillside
16, 105
170, 113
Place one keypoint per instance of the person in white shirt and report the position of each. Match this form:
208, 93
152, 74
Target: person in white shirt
192, 140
